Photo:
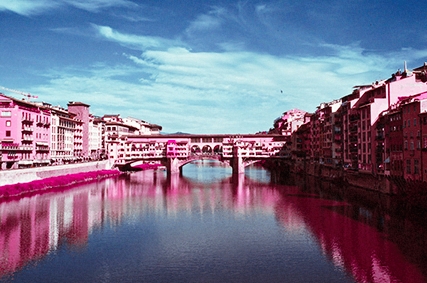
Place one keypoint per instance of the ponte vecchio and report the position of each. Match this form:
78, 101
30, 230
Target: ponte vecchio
176, 150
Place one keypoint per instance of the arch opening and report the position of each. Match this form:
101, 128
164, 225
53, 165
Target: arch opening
207, 149
195, 149
217, 149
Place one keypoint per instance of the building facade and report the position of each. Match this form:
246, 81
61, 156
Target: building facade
24, 133
39, 134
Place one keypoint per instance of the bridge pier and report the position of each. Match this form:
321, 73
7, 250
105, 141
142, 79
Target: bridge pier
237, 161
172, 166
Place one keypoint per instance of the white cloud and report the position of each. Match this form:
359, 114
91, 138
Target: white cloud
96, 5
133, 41
35, 7
204, 23
215, 92
28, 7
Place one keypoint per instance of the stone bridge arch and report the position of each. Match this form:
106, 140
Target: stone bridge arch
175, 165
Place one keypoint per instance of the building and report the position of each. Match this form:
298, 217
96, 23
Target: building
24, 133
144, 128
413, 136
289, 122
393, 142
62, 135
81, 134
96, 130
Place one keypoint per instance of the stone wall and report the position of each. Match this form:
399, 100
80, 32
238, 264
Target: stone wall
15, 176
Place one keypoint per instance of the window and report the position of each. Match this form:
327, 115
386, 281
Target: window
8, 134
408, 166
8, 123
6, 113
415, 121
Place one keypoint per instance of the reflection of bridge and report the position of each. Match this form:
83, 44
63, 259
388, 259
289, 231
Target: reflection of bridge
174, 151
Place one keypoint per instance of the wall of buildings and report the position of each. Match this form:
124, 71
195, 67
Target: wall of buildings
379, 129
34, 134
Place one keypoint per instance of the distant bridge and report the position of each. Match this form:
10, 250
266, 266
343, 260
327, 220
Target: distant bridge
174, 151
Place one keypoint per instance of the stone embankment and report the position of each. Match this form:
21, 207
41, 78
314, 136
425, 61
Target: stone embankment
20, 181
361, 179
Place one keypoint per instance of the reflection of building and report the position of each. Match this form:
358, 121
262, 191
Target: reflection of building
348, 235
30, 228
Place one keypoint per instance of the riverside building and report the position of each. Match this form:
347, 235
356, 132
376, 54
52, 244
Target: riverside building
24, 133
39, 134
378, 129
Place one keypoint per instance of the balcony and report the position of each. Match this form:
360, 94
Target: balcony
27, 139
27, 129
25, 148
27, 120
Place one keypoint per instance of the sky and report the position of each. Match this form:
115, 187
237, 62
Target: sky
214, 66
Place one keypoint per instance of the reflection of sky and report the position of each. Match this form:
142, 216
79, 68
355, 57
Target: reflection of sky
221, 172
217, 171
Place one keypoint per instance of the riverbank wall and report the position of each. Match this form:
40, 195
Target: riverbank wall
17, 176
361, 179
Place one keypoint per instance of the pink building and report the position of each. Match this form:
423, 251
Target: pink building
62, 141
24, 133
382, 98
379, 128
81, 110
289, 122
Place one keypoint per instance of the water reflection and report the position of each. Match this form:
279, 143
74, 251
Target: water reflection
345, 230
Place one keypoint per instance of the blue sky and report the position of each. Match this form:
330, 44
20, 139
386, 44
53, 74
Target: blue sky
205, 66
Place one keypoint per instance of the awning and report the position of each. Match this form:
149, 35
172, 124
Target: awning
25, 162
42, 161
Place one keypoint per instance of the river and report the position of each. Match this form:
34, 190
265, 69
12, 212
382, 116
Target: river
208, 226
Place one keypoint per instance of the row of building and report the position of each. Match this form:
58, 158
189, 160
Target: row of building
37, 133
380, 128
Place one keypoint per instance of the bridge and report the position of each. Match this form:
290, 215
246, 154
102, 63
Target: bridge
174, 151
